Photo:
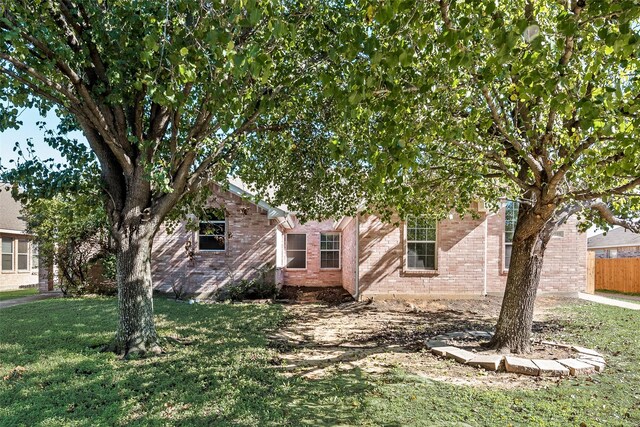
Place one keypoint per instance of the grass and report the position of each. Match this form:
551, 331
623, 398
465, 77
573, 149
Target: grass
7, 295
228, 375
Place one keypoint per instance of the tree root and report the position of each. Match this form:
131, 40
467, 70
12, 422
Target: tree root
142, 350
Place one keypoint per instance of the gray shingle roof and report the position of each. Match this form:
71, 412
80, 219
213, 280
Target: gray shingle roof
614, 238
10, 216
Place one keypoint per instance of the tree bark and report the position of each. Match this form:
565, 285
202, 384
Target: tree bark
136, 333
513, 330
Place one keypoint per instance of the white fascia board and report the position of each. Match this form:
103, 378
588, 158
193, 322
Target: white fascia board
7, 231
272, 212
628, 245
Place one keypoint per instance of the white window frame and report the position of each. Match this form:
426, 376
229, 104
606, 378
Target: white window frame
35, 259
332, 233
306, 253
13, 255
406, 247
504, 235
224, 235
18, 254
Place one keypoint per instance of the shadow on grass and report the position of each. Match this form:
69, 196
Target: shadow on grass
54, 375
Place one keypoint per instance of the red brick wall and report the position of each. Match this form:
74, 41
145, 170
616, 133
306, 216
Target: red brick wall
459, 251
461, 259
313, 275
564, 268
349, 256
251, 244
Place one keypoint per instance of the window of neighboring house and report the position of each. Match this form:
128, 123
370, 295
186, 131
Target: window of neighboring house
34, 257
7, 254
329, 250
212, 234
510, 220
613, 253
23, 254
421, 243
297, 251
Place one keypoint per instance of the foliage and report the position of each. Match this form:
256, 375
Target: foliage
167, 94
71, 233
6, 295
186, 83
536, 103
261, 287
227, 376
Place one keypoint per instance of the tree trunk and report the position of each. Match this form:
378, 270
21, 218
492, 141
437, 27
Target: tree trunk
513, 331
136, 332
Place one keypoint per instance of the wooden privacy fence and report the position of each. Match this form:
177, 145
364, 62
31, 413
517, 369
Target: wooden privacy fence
617, 274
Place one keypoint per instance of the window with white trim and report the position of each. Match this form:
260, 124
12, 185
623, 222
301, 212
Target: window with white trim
330, 250
421, 243
23, 254
35, 262
7, 254
212, 235
297, 251
510, 221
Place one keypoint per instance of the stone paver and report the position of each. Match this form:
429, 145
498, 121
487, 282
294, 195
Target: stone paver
490, 362
520, 366
435, 343
460, 355
550, 368
598, 359
576, 367
458, 335
586, 351
480, 334
442, 351
586, 361
599, 367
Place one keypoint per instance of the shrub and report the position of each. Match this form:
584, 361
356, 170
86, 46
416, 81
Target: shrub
246, 289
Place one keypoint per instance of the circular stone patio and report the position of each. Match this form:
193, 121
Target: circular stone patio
586, 361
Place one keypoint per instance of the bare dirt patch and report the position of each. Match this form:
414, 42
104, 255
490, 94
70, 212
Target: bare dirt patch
379, 336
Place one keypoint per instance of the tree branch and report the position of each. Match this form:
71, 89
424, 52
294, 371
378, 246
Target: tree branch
606, 214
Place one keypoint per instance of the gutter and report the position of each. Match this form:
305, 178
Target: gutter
9, 231
627, 245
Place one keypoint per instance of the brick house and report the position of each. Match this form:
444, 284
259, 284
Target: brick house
457, 257
616, 243
19, 257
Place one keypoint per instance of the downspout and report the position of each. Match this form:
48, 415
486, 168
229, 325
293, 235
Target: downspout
486, 236
357, 273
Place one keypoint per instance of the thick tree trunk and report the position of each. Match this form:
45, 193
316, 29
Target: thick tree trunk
513, 330
136, 332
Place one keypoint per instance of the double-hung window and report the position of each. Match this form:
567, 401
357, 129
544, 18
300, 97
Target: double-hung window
329, 250
510, 220
7, 254
23, 255
34, 257
297, 251
421, 243
212, 235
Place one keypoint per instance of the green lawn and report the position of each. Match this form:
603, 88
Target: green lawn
5, 295
228, 376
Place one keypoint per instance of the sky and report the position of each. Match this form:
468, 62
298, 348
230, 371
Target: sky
29, 129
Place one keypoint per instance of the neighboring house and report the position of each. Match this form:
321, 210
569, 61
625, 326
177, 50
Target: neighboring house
19, 263
616, 243
456, 257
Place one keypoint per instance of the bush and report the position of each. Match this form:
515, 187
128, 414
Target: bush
246, 289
